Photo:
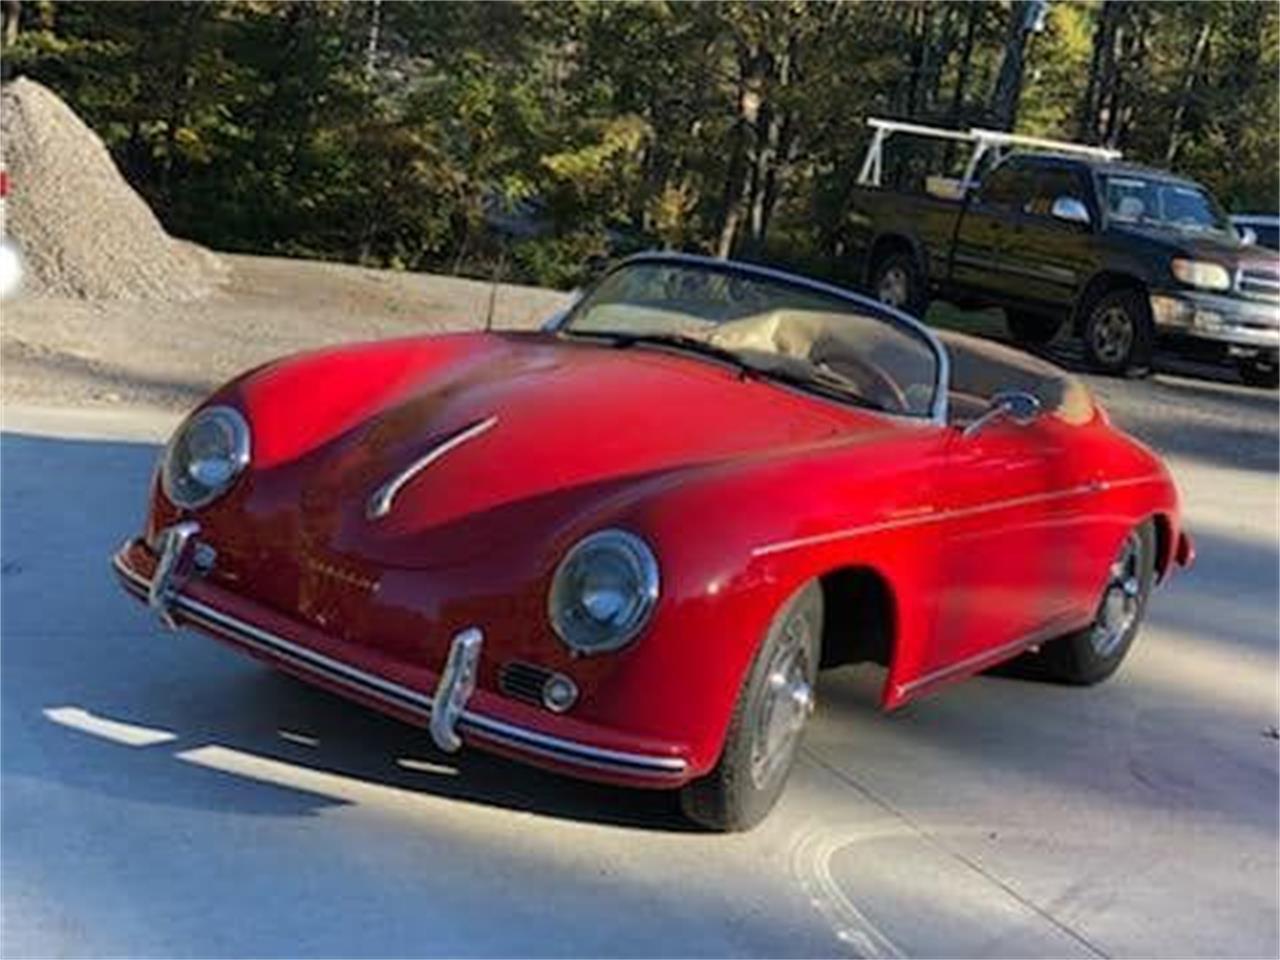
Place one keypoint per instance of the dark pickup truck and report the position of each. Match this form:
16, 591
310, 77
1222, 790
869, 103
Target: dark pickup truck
1123, 254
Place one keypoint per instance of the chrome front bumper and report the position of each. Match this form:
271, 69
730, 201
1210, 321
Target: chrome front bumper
446, 710
1236, 321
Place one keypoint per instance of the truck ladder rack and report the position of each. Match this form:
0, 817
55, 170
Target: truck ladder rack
983, 141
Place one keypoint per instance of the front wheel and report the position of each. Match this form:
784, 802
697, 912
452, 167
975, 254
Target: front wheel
1262, 371
1118, 333
1094, 653
764, 732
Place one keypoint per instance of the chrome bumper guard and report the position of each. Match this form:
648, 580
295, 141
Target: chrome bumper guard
446, 711
177, 544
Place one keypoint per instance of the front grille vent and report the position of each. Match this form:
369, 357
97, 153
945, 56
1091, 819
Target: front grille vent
523, 681
1255, 282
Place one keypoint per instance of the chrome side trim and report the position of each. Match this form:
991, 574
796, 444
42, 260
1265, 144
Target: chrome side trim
1094, 486
994, 655
469, 722
380, 502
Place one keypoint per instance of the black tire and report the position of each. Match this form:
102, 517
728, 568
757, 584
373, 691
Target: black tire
747, 780
1263, 372
1082, 658
1118, 333
897, 280
1030, 328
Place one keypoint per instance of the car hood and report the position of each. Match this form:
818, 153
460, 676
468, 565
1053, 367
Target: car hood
523, 436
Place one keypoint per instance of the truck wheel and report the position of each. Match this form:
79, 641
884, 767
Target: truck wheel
1118, 334
1029, 328
896, 282
764, 732
1263, 371
1094, 653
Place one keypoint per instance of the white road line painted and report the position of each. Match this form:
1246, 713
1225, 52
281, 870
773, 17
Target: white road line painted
129, 734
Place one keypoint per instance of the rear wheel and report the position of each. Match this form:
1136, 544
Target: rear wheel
1030, 328
1093, 654
1118, 333
1261, 371
764, 732
897, 282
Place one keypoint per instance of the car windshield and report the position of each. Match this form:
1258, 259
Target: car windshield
1164, 203
770, 326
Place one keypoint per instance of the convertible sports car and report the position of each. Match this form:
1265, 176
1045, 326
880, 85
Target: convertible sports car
623, 546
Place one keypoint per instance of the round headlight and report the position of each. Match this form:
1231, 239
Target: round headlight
205, 456
603, 591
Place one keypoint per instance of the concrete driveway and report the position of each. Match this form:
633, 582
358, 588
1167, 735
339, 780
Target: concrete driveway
165, 797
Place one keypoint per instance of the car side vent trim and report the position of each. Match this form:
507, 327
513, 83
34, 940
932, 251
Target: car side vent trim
523, 681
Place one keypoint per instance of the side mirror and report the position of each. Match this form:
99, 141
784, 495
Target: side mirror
1248, 236
1070, 210
1016, 405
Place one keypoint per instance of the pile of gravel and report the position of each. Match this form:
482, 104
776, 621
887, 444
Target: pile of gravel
82, 230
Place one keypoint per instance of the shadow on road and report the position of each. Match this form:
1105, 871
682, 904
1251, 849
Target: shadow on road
93, 650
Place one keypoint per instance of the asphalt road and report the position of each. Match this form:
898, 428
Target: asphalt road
165, 797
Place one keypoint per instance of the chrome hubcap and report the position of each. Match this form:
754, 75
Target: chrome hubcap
892, 288
1113, 335
788, 701
1120, 600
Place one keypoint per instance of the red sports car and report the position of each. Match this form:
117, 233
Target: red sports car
623, 546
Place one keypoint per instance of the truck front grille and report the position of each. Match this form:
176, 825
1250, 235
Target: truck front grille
1259, 282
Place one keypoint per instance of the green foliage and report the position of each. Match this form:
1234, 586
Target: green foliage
541, 136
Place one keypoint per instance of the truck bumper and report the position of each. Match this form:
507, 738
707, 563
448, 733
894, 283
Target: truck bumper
1245, 326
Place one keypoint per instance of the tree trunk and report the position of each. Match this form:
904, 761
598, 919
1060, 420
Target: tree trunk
1188, 87
1003, 105
179, 92
371, 40
738, 176
10, 11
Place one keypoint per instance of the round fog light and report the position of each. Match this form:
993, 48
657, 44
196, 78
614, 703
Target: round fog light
559, 693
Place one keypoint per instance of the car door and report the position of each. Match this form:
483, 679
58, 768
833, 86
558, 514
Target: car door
1004, 576
980, 256
1051, 257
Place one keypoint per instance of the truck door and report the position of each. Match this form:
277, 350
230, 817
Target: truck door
981, 254
1052, 257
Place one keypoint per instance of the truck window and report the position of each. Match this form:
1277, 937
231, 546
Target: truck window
1008, 187
1168, 204
1052, 183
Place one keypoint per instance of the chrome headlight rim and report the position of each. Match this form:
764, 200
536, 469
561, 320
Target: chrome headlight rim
241, 452
644, 563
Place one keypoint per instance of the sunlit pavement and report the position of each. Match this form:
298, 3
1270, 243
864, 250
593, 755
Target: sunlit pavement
165, 797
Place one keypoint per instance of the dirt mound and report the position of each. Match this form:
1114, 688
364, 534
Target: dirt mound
82, 230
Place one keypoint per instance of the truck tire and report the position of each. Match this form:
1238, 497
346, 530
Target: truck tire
897, 281
1030, 328
1118, 333
1261, 372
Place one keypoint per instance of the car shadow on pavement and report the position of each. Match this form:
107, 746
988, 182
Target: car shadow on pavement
96, 695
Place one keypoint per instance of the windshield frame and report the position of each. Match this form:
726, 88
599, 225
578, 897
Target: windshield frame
873, 309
